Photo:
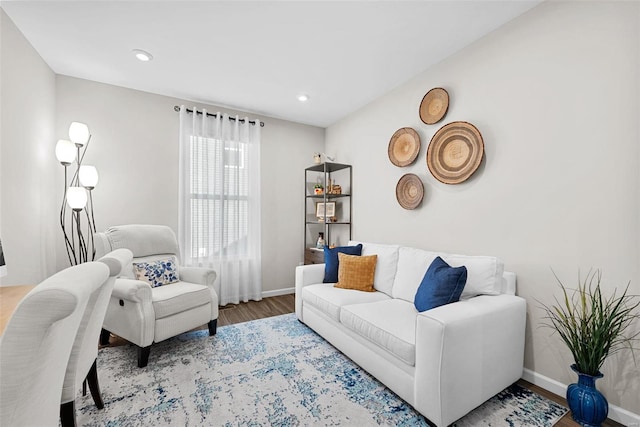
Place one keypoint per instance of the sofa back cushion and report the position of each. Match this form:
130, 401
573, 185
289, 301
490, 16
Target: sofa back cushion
412, 265
386, 265
484, 273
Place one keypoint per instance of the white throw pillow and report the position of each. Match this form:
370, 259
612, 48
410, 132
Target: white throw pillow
484, 274
386, 265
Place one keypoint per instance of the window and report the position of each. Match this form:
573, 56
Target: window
219, 197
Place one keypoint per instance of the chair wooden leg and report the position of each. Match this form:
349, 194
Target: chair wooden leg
143, 356
68, 414
213, 327
104, 337
94, 387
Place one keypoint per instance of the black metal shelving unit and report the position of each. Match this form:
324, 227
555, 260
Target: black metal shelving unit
325, 172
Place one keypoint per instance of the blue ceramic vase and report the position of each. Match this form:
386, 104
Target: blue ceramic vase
588, 406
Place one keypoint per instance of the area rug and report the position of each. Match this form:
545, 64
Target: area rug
269, 372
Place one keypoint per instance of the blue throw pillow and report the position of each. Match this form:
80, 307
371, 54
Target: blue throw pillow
441, 284
331, 260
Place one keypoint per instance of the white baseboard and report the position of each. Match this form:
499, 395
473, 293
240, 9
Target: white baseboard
277, 292
616, 413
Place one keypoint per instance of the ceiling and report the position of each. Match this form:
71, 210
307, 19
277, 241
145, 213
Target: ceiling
258, 56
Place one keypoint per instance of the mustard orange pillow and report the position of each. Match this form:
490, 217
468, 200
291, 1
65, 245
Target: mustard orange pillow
356, 272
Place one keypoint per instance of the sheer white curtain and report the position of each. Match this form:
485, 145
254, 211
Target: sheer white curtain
219, 201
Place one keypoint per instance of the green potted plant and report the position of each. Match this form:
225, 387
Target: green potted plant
593, 327
318, 188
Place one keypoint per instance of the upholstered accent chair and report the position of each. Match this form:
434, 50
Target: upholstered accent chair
152, 301
37, 342
83, 359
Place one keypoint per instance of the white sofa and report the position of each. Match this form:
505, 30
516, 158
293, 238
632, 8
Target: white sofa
445, 361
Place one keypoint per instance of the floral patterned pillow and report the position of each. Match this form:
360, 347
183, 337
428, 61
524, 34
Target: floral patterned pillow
157, 273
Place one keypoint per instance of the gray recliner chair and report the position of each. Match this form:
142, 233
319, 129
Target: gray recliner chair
143, 314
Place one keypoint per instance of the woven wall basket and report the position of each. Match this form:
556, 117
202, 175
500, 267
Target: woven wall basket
455, 152
434, 105
404, 147
409, 191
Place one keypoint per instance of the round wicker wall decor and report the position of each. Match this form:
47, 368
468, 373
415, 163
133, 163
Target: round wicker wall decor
434, 105
455, 152
404, 147
409, 191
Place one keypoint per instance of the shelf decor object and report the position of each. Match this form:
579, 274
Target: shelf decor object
409, 191
455, 152
434, 106
324, 210
77, 195
404, 147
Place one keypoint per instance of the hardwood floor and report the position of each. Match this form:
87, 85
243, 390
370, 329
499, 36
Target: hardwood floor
254, 310
275, 306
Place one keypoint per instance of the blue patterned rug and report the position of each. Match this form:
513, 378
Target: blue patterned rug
274, 371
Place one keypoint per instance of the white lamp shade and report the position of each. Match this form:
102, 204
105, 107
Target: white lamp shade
77, 197
79, 133
65, 151
88, 176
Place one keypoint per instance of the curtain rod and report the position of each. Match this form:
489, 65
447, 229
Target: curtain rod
253, 122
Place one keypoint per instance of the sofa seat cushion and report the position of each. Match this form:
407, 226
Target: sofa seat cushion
390, 324
328, 299
178, 297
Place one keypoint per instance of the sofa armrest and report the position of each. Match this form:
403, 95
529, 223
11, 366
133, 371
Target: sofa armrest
132, 290
306, 275
467, 352
309, 275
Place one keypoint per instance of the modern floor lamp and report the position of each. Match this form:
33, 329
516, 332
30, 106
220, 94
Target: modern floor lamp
77, 195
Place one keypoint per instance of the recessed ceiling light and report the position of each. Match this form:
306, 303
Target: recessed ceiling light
303, 97
142, 55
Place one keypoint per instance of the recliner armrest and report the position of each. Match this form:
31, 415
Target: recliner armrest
199, 275
132, 290
206, 277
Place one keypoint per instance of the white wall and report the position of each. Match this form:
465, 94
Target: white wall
134, 145
27, 140
555, 95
